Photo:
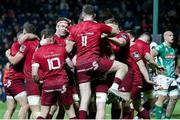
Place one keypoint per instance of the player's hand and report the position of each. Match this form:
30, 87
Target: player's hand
161, 69
7, 52
104, 35
151, 82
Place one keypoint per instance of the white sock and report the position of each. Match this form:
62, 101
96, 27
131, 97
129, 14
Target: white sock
115, 86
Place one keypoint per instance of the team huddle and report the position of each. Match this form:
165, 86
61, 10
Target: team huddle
79, 68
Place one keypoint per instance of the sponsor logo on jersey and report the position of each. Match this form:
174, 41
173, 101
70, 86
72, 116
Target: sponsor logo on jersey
22, 48
170, 56
135, 54
124, 36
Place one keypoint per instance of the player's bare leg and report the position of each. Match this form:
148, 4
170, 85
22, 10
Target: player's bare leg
100, 105
171, 105
21, 98
34, 104
120, 70
52, 111
158, 106
85, 94
70, 111
44, 111
11, 105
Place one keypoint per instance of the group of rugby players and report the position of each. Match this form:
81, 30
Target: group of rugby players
78, 68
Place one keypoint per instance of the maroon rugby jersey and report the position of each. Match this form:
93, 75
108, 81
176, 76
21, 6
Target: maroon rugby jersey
133, 58
143, 48
15, 71
87, 37
122, 53
27, 49
51, 59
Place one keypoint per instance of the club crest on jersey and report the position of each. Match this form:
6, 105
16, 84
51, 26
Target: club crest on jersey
124, 36
136, 54
22, 48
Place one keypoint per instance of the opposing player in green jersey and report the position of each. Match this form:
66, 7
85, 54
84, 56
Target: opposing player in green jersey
166, 58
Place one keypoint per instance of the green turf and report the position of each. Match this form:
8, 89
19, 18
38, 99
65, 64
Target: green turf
176, 113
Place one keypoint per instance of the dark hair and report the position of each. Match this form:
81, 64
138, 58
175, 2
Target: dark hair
30, 28
131, 32
47, 33
88, 9
148, 34
63, 19
111, 21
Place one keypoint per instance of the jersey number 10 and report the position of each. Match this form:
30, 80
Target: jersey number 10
51, 65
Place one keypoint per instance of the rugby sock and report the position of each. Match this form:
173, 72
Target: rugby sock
128, 114
147, 106
49, 116
73, 118
92, 115
167, 117
115, 113
82, 114
144, 114
117, 80
158, 111
40, 118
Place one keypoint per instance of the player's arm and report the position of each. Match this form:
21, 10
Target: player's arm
117, 41
35, 67
27, 36
69, 45
144, 71
14, 59
152, 62
70, 64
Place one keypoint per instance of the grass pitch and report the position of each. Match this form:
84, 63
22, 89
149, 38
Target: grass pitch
176, 113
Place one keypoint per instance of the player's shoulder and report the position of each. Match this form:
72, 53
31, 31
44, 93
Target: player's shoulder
134, 47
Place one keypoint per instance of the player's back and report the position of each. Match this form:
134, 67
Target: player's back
52, 60
87, 36
27, 49
143, 47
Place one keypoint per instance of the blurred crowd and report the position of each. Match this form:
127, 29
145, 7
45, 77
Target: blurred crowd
131, 14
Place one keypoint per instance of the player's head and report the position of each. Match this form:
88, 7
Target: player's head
88, 11
47, 36
19, 34
62, 25
168, 37
146, 37
112, 22
131, 34
28, 28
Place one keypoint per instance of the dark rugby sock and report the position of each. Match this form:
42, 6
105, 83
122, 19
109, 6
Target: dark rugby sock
40, 118
117, 80
49, 116
82, 114
92, 115
147, 106
115, 113
128, 114
144, 114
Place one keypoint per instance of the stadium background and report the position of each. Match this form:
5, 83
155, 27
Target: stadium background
131, 14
